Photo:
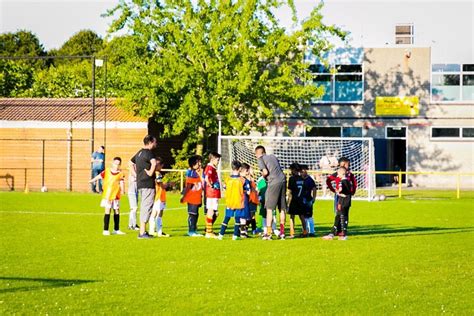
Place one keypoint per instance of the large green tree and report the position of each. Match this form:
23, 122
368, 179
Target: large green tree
70, 77
16, 75
82, 43
205, 58
21, 43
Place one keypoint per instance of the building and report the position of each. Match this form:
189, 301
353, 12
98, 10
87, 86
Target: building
47, 142
406, 79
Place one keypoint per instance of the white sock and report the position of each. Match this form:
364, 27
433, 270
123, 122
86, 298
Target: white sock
264, 224
132, 218
159, 224
151, 225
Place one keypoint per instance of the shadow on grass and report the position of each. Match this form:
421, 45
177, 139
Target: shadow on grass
401, 231
20, 284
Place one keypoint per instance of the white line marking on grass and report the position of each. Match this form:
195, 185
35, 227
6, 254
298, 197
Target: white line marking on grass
75, 213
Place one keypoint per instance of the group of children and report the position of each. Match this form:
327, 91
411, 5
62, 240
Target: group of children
244, 199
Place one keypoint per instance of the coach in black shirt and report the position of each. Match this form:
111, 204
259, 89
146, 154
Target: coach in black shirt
144, 164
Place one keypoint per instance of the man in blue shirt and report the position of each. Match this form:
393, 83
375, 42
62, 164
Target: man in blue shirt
98, 166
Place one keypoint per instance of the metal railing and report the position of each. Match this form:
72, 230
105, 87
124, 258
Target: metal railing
400, 174
19, 178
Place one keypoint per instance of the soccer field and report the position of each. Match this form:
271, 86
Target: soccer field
402, 257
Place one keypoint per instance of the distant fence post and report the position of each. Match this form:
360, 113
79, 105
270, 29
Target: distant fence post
69, 159
42, 164
458, 186
400, 183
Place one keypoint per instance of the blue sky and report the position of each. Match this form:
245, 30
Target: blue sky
54, 21
371, 22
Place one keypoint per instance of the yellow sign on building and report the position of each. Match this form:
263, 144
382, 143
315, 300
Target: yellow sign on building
394, 106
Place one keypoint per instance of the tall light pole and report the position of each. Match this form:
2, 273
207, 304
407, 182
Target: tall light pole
93, 105
103, 63
105, 101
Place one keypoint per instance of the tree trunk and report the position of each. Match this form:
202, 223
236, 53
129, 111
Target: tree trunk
200, 143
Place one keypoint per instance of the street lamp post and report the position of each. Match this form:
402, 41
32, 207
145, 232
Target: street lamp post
105, 100
93, 104
99, 63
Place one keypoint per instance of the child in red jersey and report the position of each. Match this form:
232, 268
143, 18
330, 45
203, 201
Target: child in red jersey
212, 192
344, 193
343, 162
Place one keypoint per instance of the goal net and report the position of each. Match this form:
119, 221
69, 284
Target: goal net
319, 153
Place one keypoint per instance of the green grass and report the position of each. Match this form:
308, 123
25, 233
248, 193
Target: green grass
403, 257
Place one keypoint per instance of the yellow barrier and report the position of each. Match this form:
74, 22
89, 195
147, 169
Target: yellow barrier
399, 173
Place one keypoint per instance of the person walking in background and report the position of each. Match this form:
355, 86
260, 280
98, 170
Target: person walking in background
97, 166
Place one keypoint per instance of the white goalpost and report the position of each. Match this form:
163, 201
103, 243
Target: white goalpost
309, 151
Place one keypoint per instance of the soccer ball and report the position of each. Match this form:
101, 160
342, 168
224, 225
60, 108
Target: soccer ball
44, 189
382, 197
376, 198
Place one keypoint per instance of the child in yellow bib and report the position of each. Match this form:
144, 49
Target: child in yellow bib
113, 187
234, 201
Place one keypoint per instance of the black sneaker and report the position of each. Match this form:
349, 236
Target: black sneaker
144, 236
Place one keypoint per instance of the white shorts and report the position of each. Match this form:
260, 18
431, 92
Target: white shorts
114, 204
212, 203
159, 206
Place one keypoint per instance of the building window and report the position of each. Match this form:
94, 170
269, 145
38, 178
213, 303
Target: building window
404, 34
341, 83
319, 131
352, 132
467, 132
452, 132
452, 82
396, 132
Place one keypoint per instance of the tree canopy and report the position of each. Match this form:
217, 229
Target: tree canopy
183, 62
83, 43
48, 77
21, 43
192, 60
16, 76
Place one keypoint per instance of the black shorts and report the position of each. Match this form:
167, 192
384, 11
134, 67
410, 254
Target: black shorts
296, 207
308, 212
